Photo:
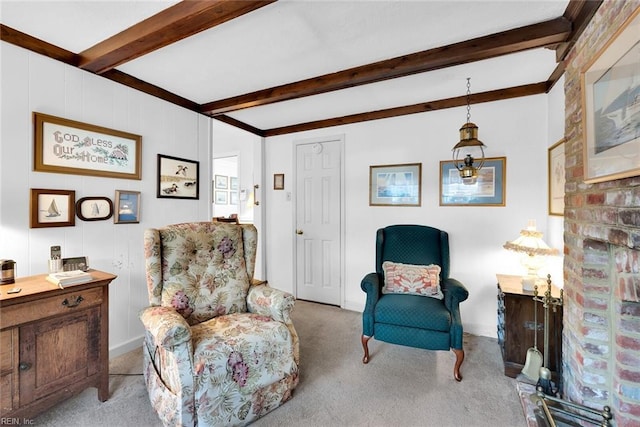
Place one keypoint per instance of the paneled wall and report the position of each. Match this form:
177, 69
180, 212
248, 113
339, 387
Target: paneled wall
31, 82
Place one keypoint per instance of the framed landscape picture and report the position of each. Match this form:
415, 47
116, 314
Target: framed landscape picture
611, 107
127, 209
395, 185
488, 190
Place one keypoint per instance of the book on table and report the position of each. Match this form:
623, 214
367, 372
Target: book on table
68, 278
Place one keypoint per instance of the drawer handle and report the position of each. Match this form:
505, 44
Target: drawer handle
72, 304
24, 366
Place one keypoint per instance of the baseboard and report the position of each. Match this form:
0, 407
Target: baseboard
126, 347
354, 306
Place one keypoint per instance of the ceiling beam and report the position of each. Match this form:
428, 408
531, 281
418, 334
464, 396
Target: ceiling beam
458, 101
175, 23
240, 125
149, 89
506, 42
23, 40
579, 12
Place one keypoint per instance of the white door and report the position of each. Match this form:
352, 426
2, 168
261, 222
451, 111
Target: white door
318, 221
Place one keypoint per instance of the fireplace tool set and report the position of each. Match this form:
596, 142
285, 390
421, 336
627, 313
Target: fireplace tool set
552, 410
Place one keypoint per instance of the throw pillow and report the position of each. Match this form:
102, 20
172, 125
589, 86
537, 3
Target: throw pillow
423, 280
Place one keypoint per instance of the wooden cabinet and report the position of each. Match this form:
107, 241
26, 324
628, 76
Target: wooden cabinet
516, 325
54, 343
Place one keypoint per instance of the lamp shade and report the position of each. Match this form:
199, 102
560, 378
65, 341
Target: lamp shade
530, 242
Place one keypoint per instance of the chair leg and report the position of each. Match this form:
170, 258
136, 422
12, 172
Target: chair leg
459, 359
365, 341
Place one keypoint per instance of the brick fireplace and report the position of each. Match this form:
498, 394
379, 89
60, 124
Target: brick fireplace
601, 337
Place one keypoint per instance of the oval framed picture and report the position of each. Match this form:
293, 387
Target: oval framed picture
94, 208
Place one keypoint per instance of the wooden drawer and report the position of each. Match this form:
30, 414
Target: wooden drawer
60, 304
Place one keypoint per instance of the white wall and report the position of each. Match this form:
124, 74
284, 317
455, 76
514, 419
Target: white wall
229, 140
31, 82
514, 128
520, 129
555, 224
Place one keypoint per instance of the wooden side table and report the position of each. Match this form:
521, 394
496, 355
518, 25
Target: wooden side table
516, 326
54, 343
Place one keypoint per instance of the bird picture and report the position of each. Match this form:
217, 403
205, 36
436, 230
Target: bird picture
181, 169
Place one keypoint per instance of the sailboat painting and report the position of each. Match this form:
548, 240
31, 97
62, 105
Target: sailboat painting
611, 107
52, 208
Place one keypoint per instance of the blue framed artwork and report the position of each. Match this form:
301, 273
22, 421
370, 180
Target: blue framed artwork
395, 185
488, 190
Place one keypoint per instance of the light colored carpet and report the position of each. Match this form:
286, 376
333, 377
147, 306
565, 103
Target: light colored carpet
401, 386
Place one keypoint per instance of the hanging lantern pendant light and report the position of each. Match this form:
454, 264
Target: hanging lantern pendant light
469, 145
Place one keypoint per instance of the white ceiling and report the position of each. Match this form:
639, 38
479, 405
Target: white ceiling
288, 41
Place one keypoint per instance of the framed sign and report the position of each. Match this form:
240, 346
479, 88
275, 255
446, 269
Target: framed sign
68, 146
127, 207
52, 208
395, 185
94, 208
488, 190
177, 178
556, 178
611, 107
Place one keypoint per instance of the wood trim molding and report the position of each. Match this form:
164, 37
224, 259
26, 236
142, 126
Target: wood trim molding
458, 101
18, 38
162, 29
511, 41
148, 88
237, 123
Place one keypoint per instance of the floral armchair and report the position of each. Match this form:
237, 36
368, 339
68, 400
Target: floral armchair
220, 347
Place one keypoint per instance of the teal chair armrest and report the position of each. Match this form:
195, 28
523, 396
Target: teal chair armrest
454, 294
371, 285
453, 289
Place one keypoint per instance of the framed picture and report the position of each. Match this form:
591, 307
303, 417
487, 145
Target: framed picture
127, 207
52, 208
94, 208
278, 181
611, 107
233, 197
395, 185
556, 178
178, 178
221, 197
233, 183
488, 190
221, 182
68, 146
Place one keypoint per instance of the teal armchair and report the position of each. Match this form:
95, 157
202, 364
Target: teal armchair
407, 319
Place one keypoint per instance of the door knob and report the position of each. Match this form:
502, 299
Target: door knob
299, 232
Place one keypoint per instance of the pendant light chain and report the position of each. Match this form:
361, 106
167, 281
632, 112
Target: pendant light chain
468, 99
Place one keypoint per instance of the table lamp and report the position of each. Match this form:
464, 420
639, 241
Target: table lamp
533, 250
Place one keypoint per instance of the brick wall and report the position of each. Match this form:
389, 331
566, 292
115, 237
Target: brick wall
601, 339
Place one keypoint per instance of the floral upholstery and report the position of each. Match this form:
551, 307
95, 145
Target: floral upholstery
220, 347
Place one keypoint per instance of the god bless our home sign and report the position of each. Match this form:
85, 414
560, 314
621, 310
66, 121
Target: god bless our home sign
68, 146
